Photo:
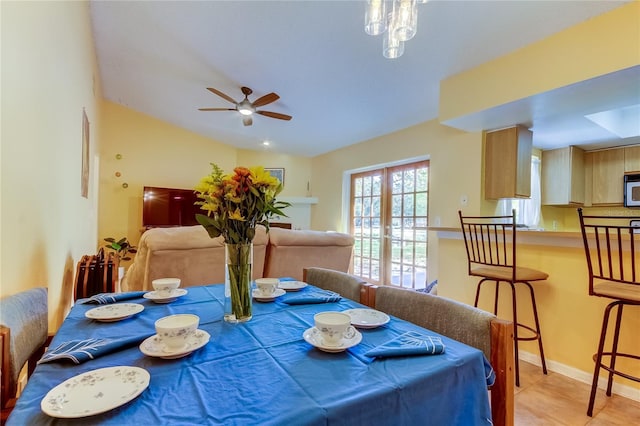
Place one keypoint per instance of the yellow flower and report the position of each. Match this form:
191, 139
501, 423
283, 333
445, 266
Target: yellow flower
261, 177
236, 215
238, 202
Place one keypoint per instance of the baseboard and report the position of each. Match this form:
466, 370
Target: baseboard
581, 376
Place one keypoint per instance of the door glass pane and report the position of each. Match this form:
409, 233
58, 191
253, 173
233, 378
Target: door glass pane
389, 218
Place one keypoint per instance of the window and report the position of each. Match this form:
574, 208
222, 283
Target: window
527, 209
389, 224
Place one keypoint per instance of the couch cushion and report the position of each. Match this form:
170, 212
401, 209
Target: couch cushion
290, 251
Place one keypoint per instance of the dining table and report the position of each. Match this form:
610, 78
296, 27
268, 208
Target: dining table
264, 371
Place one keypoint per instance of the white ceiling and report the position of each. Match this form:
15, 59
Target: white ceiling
159, 57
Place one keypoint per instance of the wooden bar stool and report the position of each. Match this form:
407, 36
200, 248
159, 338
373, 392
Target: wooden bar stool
612, 248
491, 253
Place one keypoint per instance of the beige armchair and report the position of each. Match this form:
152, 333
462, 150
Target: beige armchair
290, 251
185, 252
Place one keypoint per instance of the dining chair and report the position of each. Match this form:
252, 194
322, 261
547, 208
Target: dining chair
345, 284
612, 249
490, 242
464, 323
24, 328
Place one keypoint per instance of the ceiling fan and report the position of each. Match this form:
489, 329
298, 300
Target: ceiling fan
247, 108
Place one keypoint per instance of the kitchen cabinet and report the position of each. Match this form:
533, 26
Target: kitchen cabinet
507, 163
632, 159
563, 175
607, 176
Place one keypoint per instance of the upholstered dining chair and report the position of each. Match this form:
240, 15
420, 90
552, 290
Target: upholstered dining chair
23, 335
612, 249
464, 323
345, 284
490, 242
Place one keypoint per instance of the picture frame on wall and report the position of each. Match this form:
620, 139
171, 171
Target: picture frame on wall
276, 173
84, 182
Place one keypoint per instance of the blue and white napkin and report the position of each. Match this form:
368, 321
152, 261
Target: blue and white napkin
409, 343
106, 298
79, 351
313, 296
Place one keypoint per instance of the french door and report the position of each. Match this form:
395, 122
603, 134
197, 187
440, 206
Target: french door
389, 224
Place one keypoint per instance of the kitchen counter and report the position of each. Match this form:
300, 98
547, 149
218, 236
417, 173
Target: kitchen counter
525, 236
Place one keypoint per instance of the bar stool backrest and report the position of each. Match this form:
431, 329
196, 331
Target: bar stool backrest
490, 242
612, 248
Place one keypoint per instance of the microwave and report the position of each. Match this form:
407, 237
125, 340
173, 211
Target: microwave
632, 190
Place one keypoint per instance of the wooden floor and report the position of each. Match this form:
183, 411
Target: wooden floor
555, 399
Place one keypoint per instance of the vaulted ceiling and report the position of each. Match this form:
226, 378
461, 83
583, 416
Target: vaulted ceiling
159, 57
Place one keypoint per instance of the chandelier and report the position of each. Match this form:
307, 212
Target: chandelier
398, 25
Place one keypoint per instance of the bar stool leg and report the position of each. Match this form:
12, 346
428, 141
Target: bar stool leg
598, 358
535, 317
515, 332
614, 350
475, 303
495, 299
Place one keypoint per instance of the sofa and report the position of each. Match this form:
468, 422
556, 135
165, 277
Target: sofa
188, 253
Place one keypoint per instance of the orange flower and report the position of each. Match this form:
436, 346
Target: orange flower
235, 204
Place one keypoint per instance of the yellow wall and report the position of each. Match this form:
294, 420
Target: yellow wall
297, 170
48, 76
598, 46
455, 170
154, 153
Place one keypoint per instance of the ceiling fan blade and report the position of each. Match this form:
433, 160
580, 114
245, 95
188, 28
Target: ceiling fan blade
222, 95
266, 99
274, 115
216, 109
247, 121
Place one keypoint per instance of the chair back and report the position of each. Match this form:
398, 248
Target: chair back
612, 249
491, 244
24, 328
345, 284
448, 317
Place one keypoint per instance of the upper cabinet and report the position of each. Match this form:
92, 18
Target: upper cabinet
507, 167
563, 176
607, 176
632, 159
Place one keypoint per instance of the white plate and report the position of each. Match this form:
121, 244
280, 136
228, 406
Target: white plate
257, 295
114, 312
314, 337
292, 285
367, 318
95, 392
158, 298
153, 346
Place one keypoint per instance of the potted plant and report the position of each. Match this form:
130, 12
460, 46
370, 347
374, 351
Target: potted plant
122, 247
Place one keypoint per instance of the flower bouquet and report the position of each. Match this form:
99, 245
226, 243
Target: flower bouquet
235, 204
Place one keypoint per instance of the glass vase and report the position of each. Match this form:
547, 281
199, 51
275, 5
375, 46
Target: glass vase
237, 282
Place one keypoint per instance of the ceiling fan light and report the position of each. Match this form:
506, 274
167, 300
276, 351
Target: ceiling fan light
245, 108
375, 21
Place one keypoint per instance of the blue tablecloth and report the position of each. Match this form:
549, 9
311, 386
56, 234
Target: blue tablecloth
263, 373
